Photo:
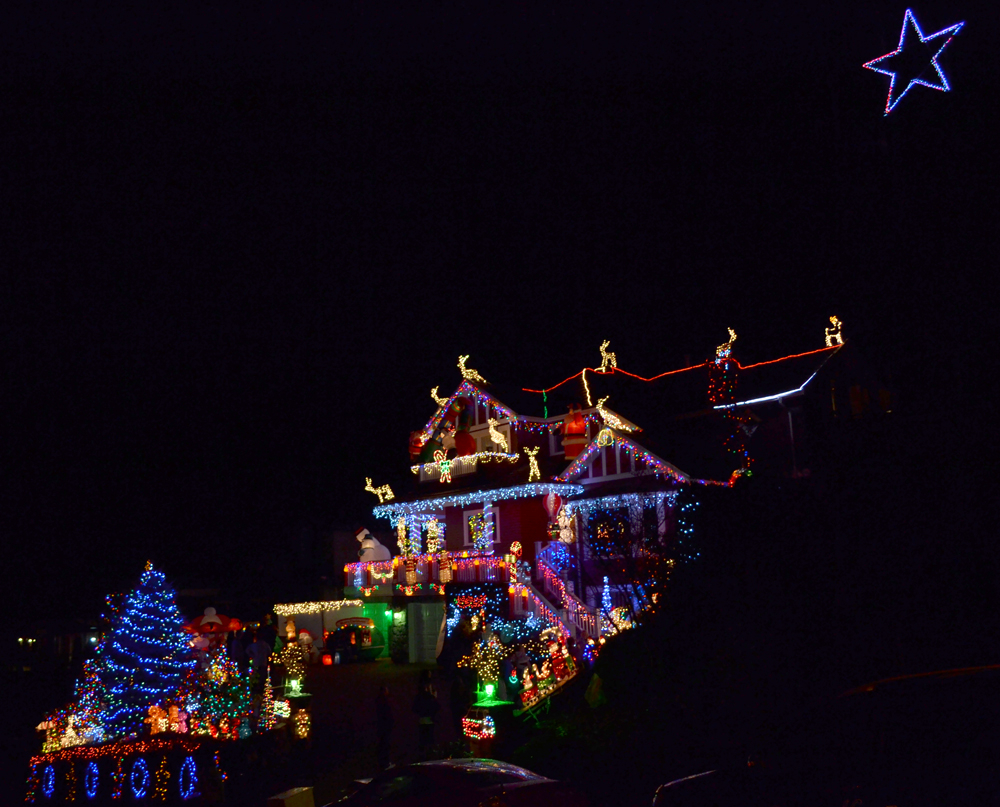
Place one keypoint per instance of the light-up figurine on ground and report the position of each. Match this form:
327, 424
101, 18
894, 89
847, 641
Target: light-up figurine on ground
834, 334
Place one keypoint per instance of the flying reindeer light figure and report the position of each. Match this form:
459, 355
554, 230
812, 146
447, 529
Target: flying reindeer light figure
497, 437
723, 350
610, 418
383, 492
438, 400
469, 374
608, 360
834, 334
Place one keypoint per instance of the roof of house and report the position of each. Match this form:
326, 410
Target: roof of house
677, 422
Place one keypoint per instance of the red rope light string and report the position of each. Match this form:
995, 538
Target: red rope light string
681, 370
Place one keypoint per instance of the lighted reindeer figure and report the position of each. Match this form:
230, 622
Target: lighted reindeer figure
608, 360
497, 437
723, 350
610, 418
834, 336
469, 374
533, 472
439, 401
384, 492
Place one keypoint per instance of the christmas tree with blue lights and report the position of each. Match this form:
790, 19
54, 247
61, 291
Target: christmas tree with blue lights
145, 655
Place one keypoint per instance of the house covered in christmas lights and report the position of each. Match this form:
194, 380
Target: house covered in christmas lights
551, 512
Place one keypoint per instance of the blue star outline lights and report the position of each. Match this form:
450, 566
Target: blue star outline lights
910, 65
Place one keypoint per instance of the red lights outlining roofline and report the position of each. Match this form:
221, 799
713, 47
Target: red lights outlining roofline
681, 370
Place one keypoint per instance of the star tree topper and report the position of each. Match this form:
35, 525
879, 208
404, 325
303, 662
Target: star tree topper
907, 65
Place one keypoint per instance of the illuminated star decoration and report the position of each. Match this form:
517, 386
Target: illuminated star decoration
907, 64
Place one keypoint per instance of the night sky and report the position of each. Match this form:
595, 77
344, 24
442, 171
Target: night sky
244, 241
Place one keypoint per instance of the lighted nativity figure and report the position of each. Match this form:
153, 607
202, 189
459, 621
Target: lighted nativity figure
370, 549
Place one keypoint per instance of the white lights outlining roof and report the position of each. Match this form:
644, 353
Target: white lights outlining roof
395, 510
649, 500
777, 397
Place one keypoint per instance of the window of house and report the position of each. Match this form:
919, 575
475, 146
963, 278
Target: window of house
492, 522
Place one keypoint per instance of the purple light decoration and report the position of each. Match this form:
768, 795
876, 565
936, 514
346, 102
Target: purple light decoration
945, 35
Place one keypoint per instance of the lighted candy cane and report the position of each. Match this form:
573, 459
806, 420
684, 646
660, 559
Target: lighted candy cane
444, 463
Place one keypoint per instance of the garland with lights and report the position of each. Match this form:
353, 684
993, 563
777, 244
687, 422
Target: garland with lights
291, 609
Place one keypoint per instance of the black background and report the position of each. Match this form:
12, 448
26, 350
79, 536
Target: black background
244, 242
